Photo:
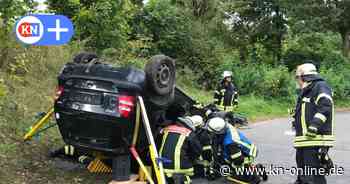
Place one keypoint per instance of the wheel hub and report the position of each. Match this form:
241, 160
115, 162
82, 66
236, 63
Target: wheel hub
163, 75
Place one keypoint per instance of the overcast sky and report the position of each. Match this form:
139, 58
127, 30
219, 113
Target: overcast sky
42, 6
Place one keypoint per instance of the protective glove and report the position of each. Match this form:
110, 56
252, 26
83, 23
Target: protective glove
326, 161
208, 112
293, 126
311, 131
292, 122
323, 151
211, 175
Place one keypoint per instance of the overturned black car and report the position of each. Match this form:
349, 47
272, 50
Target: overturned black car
96, 103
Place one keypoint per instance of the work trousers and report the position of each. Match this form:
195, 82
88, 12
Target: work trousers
308, 161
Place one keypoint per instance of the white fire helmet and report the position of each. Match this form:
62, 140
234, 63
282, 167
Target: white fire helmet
306, 69
197, 120
217, 125
226, 74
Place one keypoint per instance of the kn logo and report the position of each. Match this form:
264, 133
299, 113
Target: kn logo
29, 30
40, 29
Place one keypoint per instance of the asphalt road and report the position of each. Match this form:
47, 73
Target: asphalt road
274, 141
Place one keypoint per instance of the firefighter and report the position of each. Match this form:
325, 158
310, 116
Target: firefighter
313, 123
181, 147
203, 163
226, 95
235, 151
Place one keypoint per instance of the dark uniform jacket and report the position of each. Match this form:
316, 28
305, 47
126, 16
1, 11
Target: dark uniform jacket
225, 96
181, 147
205, 160
314, 108
206, 142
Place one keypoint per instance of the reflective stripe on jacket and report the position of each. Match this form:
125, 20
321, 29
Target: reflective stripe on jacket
237, 146
315, 108
181, 147
225, 96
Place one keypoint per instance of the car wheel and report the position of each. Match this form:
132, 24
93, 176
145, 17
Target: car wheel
160, 74
84, 57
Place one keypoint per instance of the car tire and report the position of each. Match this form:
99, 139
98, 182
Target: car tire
84, 57
160, 74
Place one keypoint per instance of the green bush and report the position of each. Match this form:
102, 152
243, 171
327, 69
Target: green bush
3, 89
321, 48
338, 78
248, 78
173, 31
103, 24
277, 83
262, 80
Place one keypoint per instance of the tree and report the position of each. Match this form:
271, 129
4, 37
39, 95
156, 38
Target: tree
69, 8
137, 2
99, 24
168, 28
323, 15
205, 9
256, 21
103, 25
9, 11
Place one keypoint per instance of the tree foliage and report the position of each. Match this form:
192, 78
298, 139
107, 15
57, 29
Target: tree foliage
323, 15
256, 22
10, 10
99, 24
205, 36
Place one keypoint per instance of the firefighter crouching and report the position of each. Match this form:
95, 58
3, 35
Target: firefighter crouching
236, 150
180, 147
204, 161
226, 95
313, 123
